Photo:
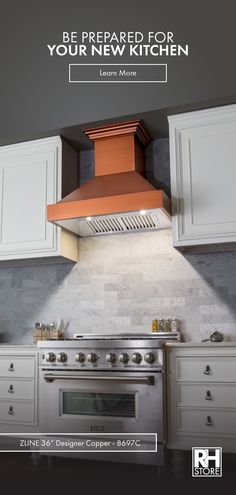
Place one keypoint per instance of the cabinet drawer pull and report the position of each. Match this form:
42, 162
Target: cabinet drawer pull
10, 410
11, 367
207, 370
209, 421
208, 395
10, 390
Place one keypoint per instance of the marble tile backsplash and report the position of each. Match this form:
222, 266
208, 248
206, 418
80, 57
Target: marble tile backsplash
120, 284
124, 281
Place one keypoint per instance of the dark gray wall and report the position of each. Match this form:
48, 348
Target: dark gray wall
35, 95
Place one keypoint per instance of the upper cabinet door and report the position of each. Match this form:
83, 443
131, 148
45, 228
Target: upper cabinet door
30, 179
203, 178
27, 185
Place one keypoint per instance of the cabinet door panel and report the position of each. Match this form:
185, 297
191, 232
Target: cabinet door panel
203, 177
209, 177
27, 185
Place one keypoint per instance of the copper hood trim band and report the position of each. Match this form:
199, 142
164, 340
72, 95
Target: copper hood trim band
108, 205
131, 127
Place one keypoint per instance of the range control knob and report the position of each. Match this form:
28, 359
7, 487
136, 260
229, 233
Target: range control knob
124, 357
111, 358
80, 357
50, 357
92, 357
62, 357
149, 357
136, 358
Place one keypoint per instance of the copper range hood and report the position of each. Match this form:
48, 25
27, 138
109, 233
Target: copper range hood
118, 199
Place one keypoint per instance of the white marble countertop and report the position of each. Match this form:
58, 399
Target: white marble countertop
168, 344
16, 346
202, 344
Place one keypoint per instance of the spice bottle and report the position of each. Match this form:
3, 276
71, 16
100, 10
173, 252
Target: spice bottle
174, 325
161, 325
168, 325
154, 326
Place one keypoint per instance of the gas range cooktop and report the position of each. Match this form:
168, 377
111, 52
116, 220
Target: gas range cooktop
125, 336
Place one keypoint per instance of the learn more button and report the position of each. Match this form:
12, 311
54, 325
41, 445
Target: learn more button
117, 73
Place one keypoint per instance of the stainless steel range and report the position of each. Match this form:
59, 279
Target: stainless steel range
109, 384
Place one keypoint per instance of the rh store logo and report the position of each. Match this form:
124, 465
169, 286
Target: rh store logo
207, 462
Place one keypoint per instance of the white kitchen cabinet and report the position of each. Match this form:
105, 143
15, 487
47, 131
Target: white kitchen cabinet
18, 389
201, 391
203, 178
32, 175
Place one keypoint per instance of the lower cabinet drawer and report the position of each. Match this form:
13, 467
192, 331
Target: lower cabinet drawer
206, 369
206, 421
17, 366
206, 395
16, 389
16, 411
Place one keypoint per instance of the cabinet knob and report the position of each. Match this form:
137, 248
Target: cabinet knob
208, 395
10, 410
207, 370
10, 390
11, 367
208, 421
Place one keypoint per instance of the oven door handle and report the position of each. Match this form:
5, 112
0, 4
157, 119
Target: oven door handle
148, 380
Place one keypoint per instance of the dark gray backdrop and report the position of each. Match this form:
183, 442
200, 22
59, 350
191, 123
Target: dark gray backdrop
35, 95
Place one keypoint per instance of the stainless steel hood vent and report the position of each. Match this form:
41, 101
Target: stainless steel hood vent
114, 224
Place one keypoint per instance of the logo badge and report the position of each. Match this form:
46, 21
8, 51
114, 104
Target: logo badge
207, 462
96, 428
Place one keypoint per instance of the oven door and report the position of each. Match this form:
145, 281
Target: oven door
72, 401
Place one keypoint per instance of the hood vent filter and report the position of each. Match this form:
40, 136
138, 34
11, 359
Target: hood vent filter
125, 223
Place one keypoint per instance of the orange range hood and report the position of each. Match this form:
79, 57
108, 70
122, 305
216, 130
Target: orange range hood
118, 199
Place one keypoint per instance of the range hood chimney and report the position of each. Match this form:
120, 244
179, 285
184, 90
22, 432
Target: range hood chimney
118, 199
